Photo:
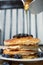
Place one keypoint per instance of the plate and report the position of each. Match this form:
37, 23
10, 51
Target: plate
22, 60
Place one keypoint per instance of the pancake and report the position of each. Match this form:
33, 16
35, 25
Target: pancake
22, 41
27, 52
22, 47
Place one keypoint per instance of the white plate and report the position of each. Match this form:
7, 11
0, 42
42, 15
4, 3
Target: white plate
23, 60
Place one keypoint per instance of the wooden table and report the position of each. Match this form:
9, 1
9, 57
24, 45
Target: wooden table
24, 63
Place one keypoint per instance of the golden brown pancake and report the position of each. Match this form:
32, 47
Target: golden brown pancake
21, 41
22, 47
12, 52
33, 47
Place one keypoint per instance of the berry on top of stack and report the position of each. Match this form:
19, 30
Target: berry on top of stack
22, 46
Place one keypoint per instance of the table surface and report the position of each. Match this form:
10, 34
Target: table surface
24, 63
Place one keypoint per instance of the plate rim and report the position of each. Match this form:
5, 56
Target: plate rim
21, 60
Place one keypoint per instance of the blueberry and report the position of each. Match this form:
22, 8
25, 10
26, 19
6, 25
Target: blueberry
18, 35
3, 55
31, 35
40, 54
18, 56
21, 64
26, 35
6, 55
1, 51
14, 36
22, 35
5, 63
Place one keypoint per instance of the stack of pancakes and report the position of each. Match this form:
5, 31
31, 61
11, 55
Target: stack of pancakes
27, 46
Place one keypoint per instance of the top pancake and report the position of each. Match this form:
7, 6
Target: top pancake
28, 40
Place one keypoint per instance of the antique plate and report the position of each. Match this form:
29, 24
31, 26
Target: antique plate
22, 60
